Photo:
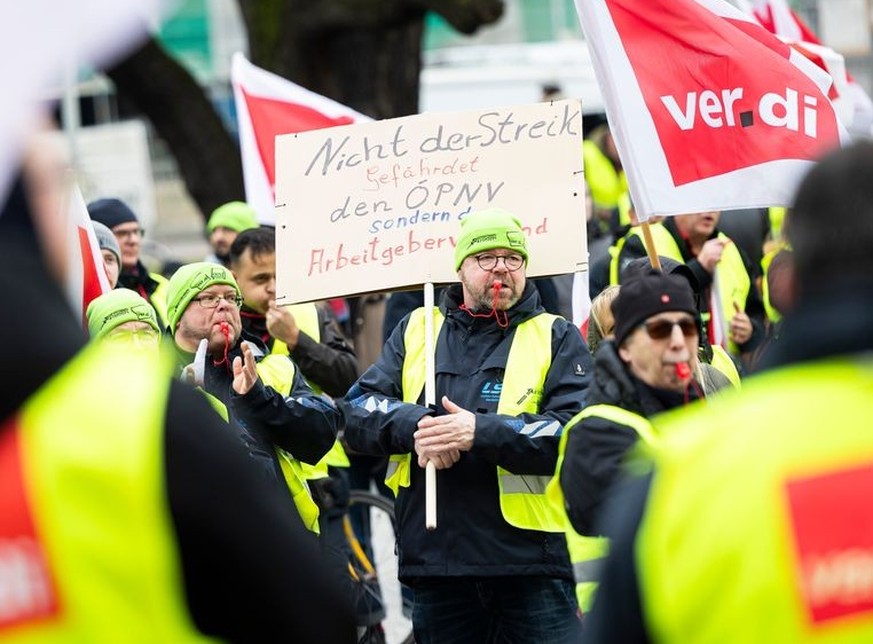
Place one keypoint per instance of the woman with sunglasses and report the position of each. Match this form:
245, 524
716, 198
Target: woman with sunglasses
645, 370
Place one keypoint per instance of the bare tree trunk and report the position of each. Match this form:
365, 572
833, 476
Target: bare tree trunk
363, 53
183, 116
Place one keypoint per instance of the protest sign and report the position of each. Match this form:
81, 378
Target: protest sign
377, 206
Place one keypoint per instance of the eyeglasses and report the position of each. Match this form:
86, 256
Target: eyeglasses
211, 300
661, 329
138, 337
133, 232
488, 262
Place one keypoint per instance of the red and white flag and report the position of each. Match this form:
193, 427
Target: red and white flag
86, 275
709, 110
268, 105
851, 101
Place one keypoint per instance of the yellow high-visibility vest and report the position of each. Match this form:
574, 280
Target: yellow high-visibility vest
97, 558
757, 524
306, 317
587, 553
523, 500
158, 298
606, 184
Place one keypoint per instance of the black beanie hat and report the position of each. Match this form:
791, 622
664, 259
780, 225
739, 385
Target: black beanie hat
111, 212
646, 295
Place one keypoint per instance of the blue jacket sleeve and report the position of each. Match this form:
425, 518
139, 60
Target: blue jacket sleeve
301, 423
377, 421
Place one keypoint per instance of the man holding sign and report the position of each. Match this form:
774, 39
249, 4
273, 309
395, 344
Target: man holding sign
508, 377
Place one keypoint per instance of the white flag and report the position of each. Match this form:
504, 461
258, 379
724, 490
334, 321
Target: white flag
267, 105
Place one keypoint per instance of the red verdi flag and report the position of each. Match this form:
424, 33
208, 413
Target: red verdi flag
853, 103
708, 109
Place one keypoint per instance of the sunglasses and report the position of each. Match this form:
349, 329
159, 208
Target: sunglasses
662, 329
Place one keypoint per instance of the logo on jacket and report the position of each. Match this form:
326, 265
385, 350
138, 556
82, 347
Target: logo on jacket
491, 391
833, 543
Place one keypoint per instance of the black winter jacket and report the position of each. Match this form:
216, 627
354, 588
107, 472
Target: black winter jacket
301, 423
596, 447
472, 537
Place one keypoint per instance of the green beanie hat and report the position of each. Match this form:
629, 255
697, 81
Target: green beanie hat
236, 215
188, 282
114, 308
489, 229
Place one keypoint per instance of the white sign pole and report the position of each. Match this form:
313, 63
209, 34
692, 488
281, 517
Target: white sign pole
430, 518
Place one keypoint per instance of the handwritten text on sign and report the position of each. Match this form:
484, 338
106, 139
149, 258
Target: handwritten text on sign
377, 206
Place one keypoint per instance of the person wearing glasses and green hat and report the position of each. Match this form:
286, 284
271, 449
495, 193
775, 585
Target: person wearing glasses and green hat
278, 417
508, 376
647, 369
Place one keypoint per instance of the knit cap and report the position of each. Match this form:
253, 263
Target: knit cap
236, 215
489, 229
111, 212
114, 308
646, 295
190, 280
106, 240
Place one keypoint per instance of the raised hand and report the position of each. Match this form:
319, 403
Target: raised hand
244, 373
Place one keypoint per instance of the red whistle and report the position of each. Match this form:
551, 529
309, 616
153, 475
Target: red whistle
683, 371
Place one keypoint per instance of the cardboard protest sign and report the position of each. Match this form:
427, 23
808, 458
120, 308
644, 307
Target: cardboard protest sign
377, 206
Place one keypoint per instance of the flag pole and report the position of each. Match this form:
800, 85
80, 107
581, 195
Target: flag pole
430, 519
651, 251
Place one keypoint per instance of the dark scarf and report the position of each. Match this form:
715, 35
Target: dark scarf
138, 280
256, 324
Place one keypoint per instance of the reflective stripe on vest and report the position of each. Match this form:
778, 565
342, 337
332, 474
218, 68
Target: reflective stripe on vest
754, 522
523, 501
587, 553
98, 561
306, 317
